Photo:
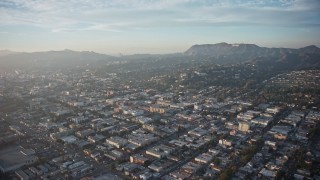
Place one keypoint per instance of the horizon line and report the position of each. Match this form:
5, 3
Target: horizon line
128, 54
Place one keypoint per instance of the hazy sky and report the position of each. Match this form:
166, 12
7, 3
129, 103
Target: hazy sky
155, 26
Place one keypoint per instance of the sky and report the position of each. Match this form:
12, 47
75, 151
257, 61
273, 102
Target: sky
155, 26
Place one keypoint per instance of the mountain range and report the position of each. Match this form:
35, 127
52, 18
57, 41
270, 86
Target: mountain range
234, 53
6, 52
244, 50
221, 53
51, 59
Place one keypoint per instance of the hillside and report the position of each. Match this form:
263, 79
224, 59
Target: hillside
236, 53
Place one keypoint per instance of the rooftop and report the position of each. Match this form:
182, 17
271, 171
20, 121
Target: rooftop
12, 157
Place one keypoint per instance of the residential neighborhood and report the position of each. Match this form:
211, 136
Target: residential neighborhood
84, 126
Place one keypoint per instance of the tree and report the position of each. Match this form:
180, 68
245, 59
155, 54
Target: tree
216, 161
226, 175
245, 158
313, 132
60, 141
280, 175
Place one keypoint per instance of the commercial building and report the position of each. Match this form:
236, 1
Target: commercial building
14, 157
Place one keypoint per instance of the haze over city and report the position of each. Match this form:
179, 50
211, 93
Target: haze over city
160, 89
168, 26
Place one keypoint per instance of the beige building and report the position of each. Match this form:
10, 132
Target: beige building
157, 109
243, 126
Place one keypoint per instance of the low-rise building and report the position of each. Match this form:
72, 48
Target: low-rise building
204, 158
117, 141
14, 157
157, 109
243, 126
139, 159
160, 151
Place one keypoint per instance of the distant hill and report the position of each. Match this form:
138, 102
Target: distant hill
6, 52
65, 58
237, 53
221, 53
310, 50
245, 50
